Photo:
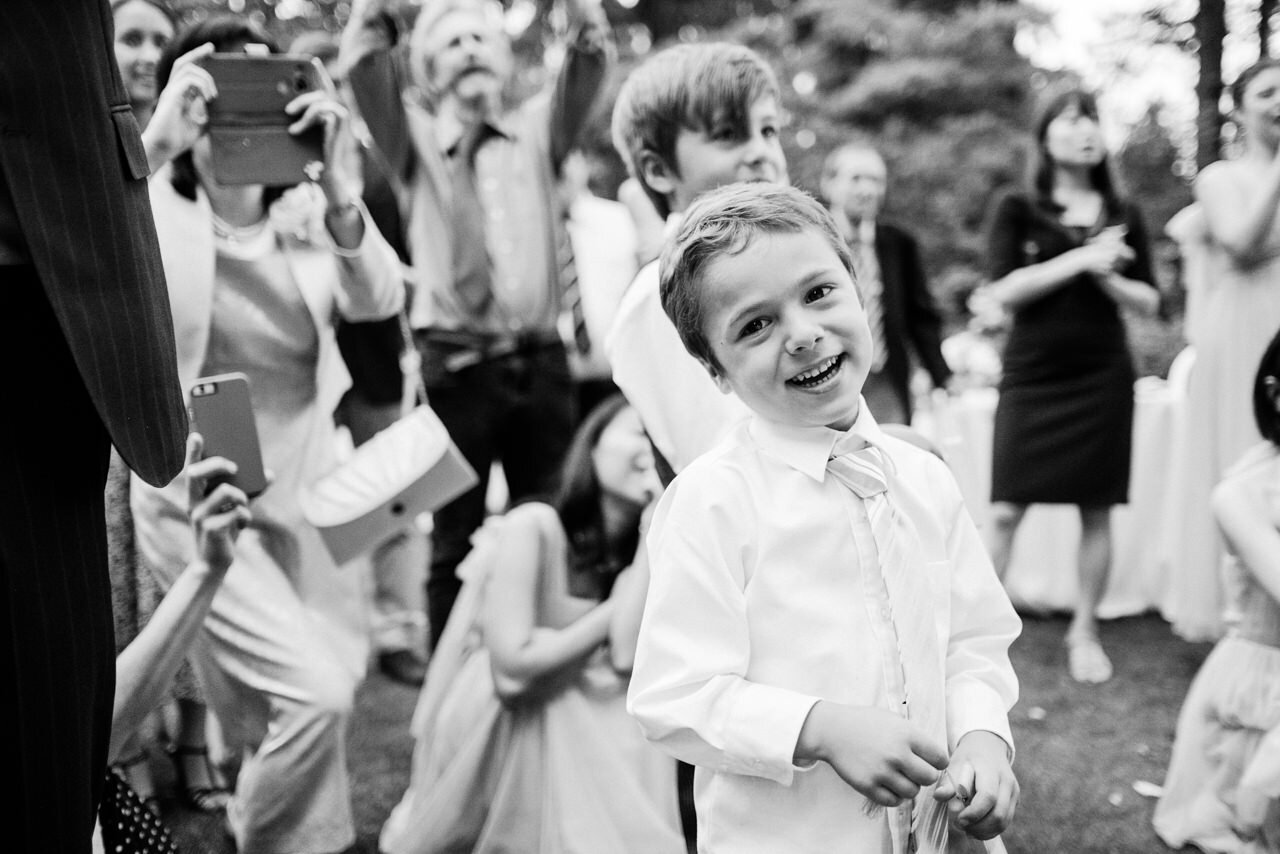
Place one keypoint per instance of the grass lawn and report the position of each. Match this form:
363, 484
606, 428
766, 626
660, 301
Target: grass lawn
1080, 749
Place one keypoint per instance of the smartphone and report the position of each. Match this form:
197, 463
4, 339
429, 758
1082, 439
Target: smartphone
248, 128
222, 413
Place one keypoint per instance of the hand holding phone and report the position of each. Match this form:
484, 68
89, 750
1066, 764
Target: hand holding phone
222, 413
253, 139
218, 514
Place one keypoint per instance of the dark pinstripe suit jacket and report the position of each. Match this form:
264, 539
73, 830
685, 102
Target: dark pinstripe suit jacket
74, 163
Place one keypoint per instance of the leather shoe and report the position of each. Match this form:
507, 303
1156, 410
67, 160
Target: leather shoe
403, 665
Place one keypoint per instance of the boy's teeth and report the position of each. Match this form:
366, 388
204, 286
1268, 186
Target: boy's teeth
808, 375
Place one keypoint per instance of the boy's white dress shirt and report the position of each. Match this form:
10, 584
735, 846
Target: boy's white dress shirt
682, 409
760, 604
603, 238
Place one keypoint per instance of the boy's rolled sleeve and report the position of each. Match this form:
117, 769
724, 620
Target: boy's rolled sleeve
688, 689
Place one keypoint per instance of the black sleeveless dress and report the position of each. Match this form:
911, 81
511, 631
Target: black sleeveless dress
1064, 421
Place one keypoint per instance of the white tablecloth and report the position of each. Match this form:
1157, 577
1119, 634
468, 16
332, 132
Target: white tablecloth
1042, 569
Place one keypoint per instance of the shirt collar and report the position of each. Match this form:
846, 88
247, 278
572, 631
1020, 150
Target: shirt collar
449, 131
807, 449
867, 231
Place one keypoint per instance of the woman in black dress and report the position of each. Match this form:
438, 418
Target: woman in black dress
1065, 257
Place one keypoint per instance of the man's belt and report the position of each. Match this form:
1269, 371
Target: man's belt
472, 348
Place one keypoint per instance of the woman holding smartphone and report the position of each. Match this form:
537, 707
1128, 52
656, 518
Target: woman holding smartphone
257, 277
1065, 257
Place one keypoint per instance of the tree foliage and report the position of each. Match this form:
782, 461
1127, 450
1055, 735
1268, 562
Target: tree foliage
937, 85
938, 88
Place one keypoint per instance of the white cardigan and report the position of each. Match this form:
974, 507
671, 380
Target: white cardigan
361, 284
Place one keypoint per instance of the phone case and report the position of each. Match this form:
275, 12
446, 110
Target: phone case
222, 413
248, 128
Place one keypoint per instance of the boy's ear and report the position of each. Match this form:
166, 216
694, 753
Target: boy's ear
717, 377
655, 172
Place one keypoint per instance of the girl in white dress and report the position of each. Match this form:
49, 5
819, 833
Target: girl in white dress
523, 740
1222, 793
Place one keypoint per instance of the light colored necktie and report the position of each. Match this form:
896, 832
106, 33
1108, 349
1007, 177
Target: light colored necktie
871, 288
472, 269
862, 470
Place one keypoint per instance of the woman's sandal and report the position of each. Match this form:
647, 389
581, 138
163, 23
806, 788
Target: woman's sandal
202, 795
143, 785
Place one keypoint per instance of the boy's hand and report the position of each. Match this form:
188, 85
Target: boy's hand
884, 757
216, 518
980, 786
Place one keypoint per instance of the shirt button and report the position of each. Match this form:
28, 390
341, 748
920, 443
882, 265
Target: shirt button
885, 612
489, 184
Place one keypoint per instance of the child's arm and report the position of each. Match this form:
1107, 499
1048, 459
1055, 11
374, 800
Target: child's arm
883, 756
146, 666
523, 655
1240, 506
629, 593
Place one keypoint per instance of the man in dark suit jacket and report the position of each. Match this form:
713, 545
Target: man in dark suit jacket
88, 357
900, 308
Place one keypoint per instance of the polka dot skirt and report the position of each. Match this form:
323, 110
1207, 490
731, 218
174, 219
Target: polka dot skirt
128, 827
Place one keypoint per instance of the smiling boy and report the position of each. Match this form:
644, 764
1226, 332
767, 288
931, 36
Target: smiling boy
689, 119
824, 633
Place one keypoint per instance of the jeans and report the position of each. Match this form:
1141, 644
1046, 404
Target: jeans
516, 408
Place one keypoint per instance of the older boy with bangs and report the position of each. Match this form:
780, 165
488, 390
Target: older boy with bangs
885, 729
690, 119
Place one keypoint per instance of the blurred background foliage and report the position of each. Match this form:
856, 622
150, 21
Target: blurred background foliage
944, 88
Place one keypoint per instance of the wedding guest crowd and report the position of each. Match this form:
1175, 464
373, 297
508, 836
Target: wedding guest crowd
715, 352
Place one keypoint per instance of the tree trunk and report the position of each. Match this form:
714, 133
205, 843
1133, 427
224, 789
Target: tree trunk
1266, 10
1211, 29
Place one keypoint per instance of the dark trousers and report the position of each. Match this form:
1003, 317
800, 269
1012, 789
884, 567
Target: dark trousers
59, 656
516, 408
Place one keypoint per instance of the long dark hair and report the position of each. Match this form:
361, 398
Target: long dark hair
1264, 409
226, 33
577, 501
1043, 165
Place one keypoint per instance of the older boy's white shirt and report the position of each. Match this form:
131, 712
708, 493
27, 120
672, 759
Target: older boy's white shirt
756, 611
682, 409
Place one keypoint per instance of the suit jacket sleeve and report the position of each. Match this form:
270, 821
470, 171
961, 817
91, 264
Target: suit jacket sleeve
924, 320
